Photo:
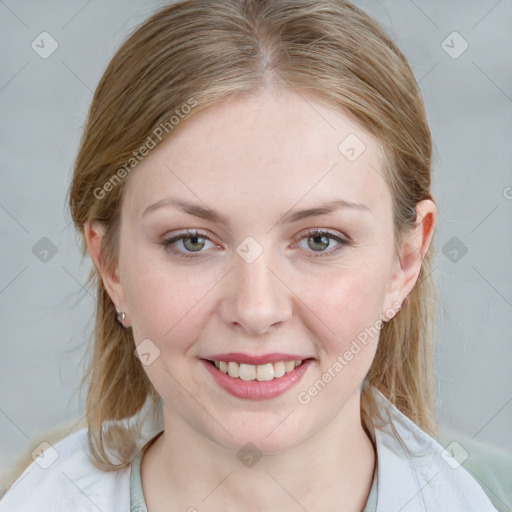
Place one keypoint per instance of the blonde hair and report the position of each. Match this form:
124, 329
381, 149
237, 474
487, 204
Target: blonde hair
200, 53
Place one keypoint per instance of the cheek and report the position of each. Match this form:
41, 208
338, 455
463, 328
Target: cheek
344, 313
166, 304
345, 303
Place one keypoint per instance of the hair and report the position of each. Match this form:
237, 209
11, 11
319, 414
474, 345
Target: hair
199, 53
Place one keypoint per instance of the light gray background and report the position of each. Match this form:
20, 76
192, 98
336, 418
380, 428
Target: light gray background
45, 312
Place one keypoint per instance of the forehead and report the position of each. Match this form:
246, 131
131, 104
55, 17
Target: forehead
275, 148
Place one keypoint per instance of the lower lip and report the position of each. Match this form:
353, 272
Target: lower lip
254, 389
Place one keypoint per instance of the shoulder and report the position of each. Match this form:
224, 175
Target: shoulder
63, 478
416, 473
489, 466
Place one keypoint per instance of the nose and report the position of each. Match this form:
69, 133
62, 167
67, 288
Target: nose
256, 299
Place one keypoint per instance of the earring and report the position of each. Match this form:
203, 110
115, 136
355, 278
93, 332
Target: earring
121, 315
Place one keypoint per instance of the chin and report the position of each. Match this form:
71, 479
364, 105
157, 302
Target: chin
262, 432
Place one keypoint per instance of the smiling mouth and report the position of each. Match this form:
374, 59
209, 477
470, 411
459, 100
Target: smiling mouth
260, 372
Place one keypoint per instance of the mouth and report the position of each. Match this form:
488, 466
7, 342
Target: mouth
260, 372
263, 381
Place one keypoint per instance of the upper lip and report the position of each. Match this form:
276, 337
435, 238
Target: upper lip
240, 357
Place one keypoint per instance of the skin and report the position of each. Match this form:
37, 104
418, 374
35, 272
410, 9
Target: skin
253, 159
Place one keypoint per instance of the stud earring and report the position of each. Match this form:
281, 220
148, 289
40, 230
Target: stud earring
121, 315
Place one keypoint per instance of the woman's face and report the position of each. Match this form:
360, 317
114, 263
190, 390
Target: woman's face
254, 175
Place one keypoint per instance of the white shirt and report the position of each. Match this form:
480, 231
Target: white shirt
415, 474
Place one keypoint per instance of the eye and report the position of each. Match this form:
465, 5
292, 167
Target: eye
192, 241
318, 240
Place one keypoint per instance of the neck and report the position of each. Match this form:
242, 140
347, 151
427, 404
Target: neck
189, 470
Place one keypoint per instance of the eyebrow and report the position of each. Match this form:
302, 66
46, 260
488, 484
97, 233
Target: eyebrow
207, 213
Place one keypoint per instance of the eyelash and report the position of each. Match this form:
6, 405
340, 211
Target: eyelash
310, 233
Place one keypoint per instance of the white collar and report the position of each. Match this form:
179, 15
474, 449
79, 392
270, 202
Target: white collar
416, 474
413, 475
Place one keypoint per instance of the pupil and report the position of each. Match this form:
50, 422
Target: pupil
193, 240
322, 240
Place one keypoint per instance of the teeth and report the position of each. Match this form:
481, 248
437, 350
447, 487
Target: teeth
265, 372
233, 369
279, 368
261, 372
247, 371
289, 366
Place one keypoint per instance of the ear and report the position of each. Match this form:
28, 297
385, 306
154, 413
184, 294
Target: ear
94, 233
406, 268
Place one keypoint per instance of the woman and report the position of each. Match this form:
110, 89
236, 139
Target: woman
254, 189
